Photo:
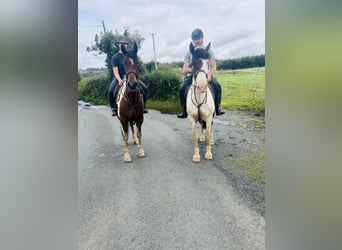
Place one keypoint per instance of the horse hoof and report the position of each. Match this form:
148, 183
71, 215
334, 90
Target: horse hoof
196, 159
141, 154
127, 159
208, 156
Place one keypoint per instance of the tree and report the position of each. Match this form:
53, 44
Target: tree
104, 43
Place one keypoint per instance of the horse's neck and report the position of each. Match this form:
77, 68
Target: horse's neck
199, 96
132, 95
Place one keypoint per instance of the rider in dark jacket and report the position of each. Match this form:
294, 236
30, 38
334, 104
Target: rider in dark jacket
119, 74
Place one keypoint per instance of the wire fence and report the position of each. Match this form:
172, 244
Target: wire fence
242, 85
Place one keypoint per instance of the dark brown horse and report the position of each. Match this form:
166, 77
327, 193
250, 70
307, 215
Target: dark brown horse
131, 105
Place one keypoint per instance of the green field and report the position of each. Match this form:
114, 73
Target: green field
243, 89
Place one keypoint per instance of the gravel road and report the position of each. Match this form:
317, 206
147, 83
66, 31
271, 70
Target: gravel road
165, 201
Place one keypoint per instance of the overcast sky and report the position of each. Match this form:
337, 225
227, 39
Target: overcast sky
235, 28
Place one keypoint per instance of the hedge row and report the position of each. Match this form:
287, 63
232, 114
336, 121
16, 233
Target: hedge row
162, 85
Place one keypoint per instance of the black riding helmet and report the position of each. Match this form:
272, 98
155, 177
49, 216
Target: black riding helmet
122, 39
197, 33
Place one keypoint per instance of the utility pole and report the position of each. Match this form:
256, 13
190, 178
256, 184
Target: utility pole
104, 28
154, 51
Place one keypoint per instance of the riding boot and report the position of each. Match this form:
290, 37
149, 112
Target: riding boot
184, 113
114, 111
145, 108
144, 100
115, 104
219, 111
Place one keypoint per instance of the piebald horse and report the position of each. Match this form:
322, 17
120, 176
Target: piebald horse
200, 102
130, 103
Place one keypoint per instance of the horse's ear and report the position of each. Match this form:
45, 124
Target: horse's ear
135, 48
123, 49
208, 46
192, 48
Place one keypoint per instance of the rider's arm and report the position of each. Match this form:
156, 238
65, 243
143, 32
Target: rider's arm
212, 64
187, 68
117, 75
212, 69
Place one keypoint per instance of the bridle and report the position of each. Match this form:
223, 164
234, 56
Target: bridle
196, 102
200, 71
131, 71
132, 88
129, 84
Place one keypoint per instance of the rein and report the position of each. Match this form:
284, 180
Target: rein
196, 102
195, 85
129, 89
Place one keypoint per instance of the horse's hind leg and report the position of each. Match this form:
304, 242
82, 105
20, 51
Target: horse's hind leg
203, 132
134, 133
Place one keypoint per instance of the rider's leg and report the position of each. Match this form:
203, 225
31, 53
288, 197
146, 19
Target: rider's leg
182, 95
112, 97
218, 95
144, 90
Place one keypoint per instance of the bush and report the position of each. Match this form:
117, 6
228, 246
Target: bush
94, 90
163, 84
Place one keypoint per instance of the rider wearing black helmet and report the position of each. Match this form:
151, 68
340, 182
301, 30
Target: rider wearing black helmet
119, 74
197, 33
197, 40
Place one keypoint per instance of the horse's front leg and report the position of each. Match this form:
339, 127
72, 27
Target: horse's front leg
212, 142
196, 157
208, 155
124, 131
141, 152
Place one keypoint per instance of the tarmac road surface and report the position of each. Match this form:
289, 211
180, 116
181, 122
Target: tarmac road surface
162, 201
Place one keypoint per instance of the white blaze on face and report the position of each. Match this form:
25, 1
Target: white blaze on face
131, 61
201, 79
